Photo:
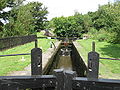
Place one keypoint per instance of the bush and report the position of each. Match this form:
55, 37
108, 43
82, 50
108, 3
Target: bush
113, 38
93, 33
102, 35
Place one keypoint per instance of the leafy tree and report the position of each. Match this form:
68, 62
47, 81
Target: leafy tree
72, 26
24, 23
39, 14
25, 19
4, 16
107, 19
59, 25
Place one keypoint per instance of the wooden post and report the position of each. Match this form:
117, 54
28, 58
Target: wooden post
36, 43
60, 79
36, 61
93, 64
69, 75
93, 46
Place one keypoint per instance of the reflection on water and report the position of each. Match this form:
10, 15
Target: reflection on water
65, 63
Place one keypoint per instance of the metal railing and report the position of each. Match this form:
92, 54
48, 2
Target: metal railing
109, 58
15, 54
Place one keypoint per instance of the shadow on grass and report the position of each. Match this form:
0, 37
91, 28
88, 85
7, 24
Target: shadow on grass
112, 50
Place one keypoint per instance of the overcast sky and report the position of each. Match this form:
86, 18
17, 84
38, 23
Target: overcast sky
58, 8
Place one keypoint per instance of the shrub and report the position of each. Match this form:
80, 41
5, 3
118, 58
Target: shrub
113, 38
102, 35
93, 33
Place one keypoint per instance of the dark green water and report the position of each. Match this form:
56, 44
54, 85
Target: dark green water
65, 63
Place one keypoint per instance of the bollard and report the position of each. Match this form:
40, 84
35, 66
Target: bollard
36, 61
69, 75
93, 64
60, 79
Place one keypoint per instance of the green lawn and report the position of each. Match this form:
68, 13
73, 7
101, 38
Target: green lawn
108, 68
17, 63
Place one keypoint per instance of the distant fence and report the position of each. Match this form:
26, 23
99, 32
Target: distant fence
6, 43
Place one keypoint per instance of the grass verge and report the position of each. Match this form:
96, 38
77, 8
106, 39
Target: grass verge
18, 63
108, 68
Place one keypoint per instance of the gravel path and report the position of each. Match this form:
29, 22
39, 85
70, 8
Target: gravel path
27, 70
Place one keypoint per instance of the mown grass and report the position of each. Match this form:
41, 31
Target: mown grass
17, 63
108, 68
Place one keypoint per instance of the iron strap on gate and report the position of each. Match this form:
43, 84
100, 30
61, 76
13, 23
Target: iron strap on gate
27, 82
61, 80
80, 83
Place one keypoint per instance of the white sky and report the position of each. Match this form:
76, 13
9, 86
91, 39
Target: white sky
58, 8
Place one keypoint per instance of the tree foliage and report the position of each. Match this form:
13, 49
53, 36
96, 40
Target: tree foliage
39, 14
4, 15
23, 19
103, 24
72, 26
22, 24
107, 18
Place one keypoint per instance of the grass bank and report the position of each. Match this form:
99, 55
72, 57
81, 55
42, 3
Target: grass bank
108, 68
17, 63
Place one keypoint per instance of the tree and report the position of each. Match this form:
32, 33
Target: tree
87, 23
25, 19
5, 16
66, 26
39, 14
24, 25
59, 26
107, 19
72, 26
